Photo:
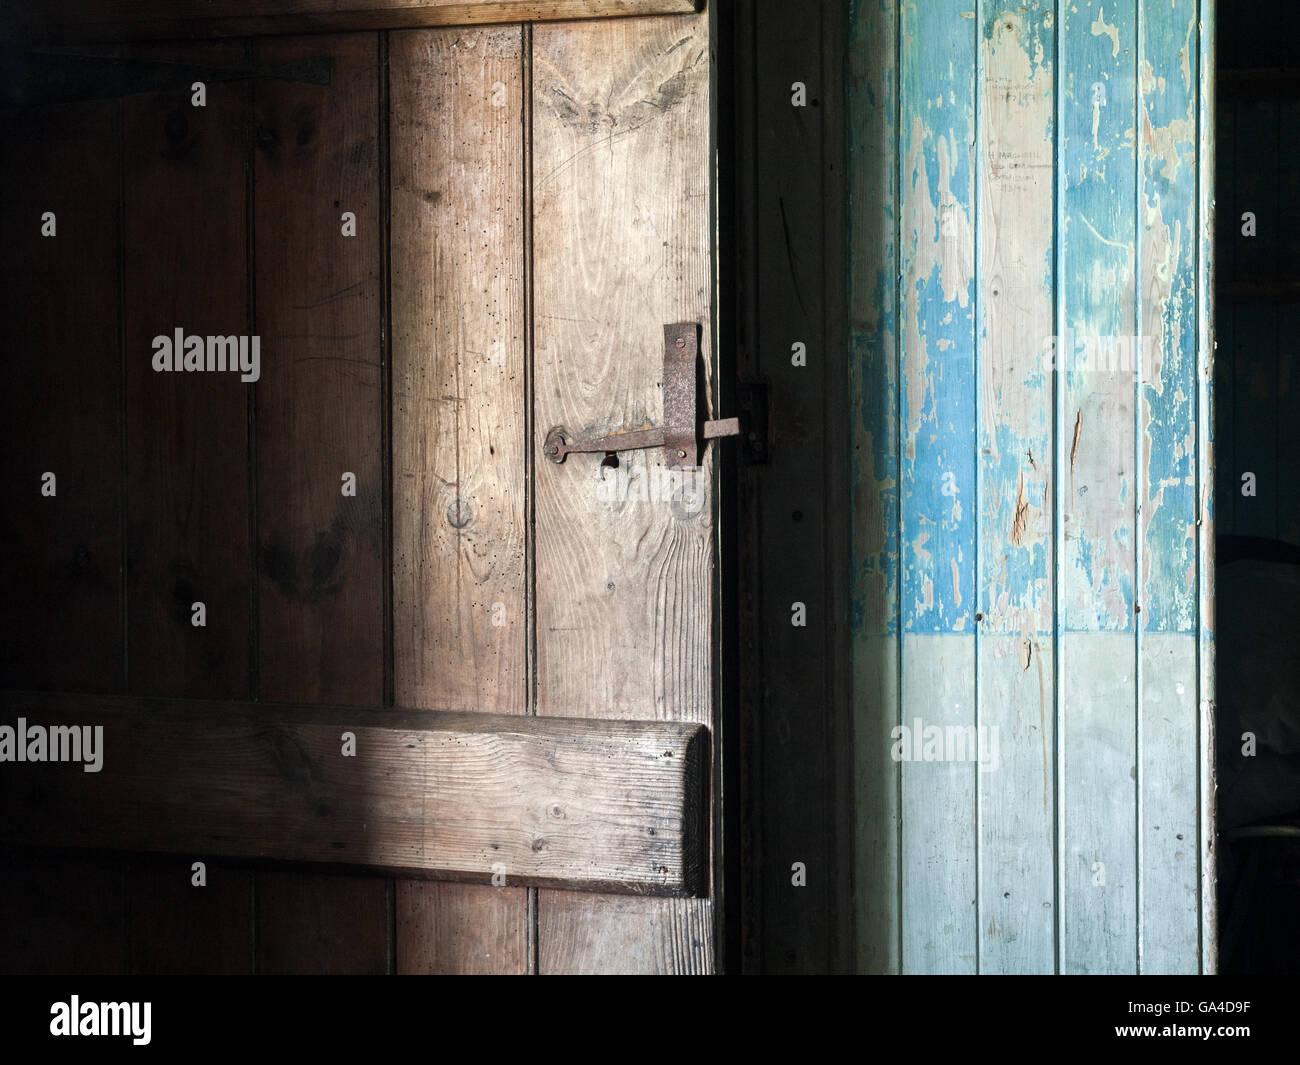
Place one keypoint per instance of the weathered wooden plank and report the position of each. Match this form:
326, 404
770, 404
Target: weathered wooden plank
187, 439
938, 798
459, 401
1096, 453
1015, 655
873, 384
601, 805
621, 247
60, 408
1168, 917
188, 493
319, 424
937, 476
460, 929
596, 940
319, 416
125, 20
317, 925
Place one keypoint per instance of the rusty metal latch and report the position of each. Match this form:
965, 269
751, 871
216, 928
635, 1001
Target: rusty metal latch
682, 430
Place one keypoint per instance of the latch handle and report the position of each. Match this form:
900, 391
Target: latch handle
680, 434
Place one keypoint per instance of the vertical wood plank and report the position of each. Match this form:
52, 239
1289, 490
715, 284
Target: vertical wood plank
459, 467
320, 555
187, 514
1096, 467
1016, 657
624, 587
1168, 911
303, 929
937, 487
60, 409
873, 384
60, 413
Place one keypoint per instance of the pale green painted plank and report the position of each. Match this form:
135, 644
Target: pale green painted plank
939, 770
1096, 452
1016, 660
937, 486
1168, 915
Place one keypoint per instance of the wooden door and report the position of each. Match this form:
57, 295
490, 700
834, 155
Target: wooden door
446, 706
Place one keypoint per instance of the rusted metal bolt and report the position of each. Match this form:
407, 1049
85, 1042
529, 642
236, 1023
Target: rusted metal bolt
553, 449
681, 343
681, 454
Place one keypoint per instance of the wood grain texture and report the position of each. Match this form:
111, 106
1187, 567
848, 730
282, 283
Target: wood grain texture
460, 608
123, 20
1015, 655
188, 492
579, 803
445, 928
307, 930
319, 416
1096, 450
59, 413
459, 471
1168, 800
319, 400
624, 585
187, 433
938, 480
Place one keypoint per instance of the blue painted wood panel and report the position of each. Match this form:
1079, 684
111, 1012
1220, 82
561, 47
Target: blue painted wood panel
1030, 367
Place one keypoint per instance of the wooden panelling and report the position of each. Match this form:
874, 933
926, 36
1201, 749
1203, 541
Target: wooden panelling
938, 517
60, 411
1015, 653
1168, 803
304, 928
187, 433
319, 418
187, 464
564, 802
460, 603
624, 585
121, 20
1089, 219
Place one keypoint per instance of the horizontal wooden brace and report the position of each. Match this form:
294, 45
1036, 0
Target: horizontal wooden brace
86, 21
614, 806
